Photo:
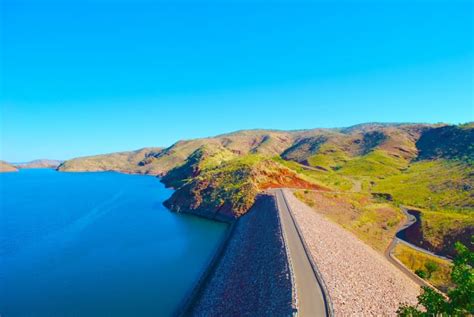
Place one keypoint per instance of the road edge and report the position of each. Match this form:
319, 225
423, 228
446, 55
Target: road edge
327, 299
294, 295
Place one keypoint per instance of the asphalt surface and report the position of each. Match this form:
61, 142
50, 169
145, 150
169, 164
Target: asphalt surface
411, 220
309, 294
391, 258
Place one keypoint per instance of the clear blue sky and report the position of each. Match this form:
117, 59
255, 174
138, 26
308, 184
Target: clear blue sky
88, 77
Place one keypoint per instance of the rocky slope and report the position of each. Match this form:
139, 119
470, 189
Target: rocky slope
226, 190
6, 167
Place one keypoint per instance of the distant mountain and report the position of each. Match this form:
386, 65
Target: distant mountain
42, 163
428, 167
6, 167
134, 162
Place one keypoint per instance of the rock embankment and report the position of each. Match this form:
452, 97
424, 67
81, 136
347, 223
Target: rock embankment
360, 281
252, 278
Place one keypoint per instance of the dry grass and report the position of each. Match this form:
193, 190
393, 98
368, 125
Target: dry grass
5, 167
416, 260
373, 222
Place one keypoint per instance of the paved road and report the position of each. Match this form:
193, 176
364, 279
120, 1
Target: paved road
410, 220
310, 297
391, 258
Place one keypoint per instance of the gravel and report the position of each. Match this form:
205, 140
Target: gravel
360, 281
252, 277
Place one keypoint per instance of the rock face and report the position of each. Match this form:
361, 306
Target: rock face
43, 163
226, 192
252, 277
6, 167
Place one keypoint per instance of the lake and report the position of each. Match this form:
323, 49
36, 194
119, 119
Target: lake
96, 244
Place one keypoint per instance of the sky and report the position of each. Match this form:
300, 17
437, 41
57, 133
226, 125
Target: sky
88, 77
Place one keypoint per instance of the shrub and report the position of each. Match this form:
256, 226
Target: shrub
420, 273
431, 267
460, 299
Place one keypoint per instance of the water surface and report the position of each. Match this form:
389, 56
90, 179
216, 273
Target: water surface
96, 244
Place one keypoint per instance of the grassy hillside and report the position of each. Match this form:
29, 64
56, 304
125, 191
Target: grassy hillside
425, 166
448, 142
373, 222
6, 167
204, 158
417, 261
433, 185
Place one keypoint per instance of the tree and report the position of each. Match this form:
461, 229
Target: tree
420, 273
460, 299
431, 267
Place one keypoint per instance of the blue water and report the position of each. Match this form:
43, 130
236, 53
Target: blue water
96, 244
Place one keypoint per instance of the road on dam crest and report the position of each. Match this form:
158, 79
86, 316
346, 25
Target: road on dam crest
311, 299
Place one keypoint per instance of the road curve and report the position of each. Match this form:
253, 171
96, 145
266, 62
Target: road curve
311, 300
410, 220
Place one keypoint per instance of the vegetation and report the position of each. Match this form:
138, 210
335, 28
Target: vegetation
377, 164
421, 273
442, 228
435, 270
329, 157
228, 190
204, 158
373, 222
434, 185
460, 146
442, 191
429, 167
460, 299
327, 178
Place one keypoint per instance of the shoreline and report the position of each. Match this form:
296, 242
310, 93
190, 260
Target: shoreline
209, 268
251, 274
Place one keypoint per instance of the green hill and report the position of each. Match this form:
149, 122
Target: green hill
429, 167
227, 190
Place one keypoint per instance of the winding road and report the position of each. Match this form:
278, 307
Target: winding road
411, 220
311, 300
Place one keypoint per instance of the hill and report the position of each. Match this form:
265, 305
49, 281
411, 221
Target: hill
42, 163
6, 167
127, 162
429, 167
226, 189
